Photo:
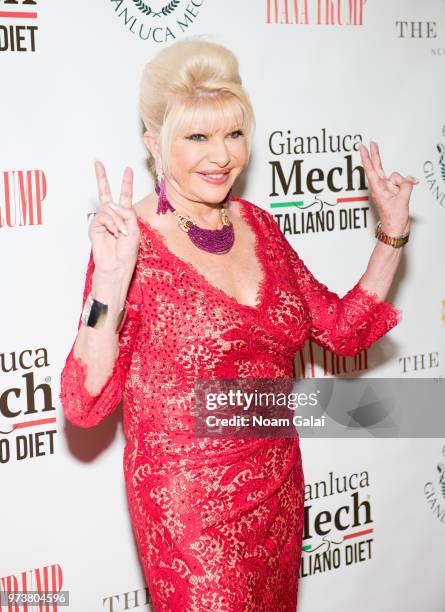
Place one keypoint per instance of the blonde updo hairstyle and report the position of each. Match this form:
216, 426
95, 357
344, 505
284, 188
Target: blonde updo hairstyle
188, 76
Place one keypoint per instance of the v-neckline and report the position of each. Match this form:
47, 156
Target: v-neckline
259, 252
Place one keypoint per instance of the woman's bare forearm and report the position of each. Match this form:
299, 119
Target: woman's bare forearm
381, 269
99, 348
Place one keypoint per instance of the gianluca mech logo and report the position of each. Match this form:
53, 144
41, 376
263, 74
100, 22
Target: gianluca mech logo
157, 21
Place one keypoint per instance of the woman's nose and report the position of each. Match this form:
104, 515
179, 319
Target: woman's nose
219, 153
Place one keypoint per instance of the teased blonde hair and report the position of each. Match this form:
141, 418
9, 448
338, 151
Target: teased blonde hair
187, 77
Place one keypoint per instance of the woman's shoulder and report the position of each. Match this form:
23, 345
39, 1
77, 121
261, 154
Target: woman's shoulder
260, 213
150, 233
252, 205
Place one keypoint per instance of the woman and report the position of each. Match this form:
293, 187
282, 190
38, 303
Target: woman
212, 289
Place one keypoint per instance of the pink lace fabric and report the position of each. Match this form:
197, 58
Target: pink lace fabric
218, 522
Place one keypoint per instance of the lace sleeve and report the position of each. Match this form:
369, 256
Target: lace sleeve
79, 406
346, 325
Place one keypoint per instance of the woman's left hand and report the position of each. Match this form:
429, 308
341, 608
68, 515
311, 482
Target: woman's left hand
390, 194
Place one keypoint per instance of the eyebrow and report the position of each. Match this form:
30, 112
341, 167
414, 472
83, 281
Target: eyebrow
200, 130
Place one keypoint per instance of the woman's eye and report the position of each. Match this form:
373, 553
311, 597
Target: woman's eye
237, 133
197, 137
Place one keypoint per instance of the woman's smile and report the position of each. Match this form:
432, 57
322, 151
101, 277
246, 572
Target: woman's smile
215, 178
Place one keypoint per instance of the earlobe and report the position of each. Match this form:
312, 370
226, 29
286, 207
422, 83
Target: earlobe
148, 140
151, 142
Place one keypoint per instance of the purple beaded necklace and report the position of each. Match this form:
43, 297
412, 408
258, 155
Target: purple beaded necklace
216, 241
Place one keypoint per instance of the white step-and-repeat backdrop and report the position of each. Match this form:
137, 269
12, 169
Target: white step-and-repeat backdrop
323, 75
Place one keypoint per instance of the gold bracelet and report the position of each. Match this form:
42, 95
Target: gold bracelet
394, 241
94, 314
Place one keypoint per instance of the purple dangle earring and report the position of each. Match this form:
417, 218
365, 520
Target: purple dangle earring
163, 204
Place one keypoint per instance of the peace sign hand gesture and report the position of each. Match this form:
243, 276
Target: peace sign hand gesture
390, 194
114, 231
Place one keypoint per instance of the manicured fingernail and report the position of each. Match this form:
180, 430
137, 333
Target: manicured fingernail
123, 230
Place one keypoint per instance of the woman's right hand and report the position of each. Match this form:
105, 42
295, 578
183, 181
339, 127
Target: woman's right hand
114, 234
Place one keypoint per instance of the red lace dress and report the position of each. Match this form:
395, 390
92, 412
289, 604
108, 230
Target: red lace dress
218, 522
